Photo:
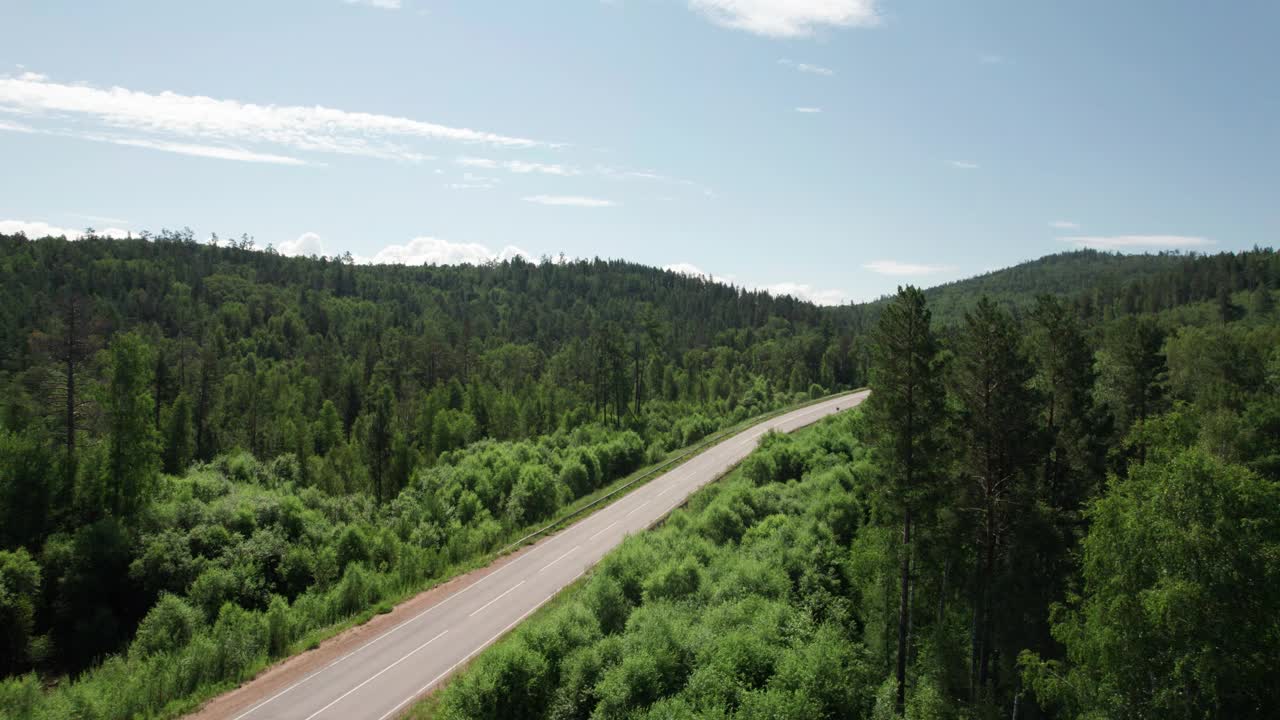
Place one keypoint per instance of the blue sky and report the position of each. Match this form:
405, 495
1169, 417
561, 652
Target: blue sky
828, 148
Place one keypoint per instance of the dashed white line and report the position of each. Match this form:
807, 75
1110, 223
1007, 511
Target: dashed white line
366, 682
508, 592
553, 562
636, 510
593, 537
475, 652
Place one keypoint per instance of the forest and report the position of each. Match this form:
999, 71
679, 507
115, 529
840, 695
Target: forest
211, 455
1032, 516
1060, 500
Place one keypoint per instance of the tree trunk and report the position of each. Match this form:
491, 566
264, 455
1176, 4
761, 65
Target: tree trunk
904, 611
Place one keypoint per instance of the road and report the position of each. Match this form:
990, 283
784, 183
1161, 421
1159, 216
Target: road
381, 678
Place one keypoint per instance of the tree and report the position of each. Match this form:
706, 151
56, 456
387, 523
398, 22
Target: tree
133, 450
1178, 609
19, 592
998, 450
71, 344
905, 411
1064, 378
379, 437
179, 436
1131, 370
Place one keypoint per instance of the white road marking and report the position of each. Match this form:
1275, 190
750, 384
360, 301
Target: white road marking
553, 562
593, 537
375, 677
381, 637
636, 510
508, 592
477, 651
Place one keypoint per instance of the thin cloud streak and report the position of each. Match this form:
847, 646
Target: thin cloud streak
570, 201
896, 268
177, 119
1138, 242
787, 18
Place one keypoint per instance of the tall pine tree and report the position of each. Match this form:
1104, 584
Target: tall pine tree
906, 410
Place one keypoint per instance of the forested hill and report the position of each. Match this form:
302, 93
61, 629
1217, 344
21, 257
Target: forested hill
525, 342
1068, 274
1103, 284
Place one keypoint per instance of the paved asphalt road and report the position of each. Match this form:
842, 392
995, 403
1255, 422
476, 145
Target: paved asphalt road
381, 678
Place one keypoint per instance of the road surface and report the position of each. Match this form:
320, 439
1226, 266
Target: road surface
380, 678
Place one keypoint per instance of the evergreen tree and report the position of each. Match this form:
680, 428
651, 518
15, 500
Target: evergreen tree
906, 414
998, 450
133, 446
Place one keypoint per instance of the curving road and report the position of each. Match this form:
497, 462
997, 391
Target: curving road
379, 679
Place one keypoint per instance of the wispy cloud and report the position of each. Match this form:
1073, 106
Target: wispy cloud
1138, 242
570, 200
809, 110
193, 124
807, 68
1064, 225
788, 18
518, 166
471, 181
217, 152
104, 220
991, 59
962, 165
894, 267
220, 152
38, 229
381, 4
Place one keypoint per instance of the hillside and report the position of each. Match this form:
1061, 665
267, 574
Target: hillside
1068, 274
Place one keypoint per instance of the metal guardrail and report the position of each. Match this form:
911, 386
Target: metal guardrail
704, 444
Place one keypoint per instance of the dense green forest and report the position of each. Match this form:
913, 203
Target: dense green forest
196, 441
209, 454
1036, 516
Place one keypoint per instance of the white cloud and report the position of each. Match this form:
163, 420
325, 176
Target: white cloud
807, 68
517, 166
1064, 225
104, 220
207, 151
570, 200
84, 110
684, 268
219, 152
479, 162
38, 229
471, 181
893, 267
808, 110
800, 291
962, 165
1138, 242
787, 18
424, 250
306, 244
383, 4
435, 251
804, 291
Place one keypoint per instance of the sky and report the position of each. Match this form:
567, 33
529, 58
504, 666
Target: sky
829, 149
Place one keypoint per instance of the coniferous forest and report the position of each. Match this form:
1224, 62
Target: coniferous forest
1061, 499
